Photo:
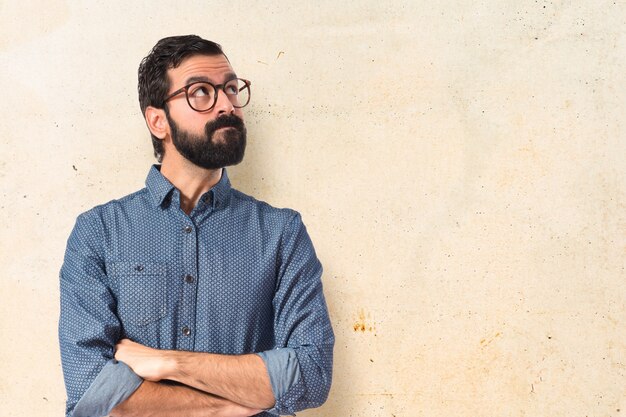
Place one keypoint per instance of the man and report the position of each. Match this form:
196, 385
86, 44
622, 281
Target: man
188, 297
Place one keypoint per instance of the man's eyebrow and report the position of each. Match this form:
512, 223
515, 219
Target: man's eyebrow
196, 78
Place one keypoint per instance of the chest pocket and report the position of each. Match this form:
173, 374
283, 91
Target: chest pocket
141, 291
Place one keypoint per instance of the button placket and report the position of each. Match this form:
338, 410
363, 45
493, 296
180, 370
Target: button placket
188, 303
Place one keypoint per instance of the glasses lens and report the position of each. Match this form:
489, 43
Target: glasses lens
238, 92
201, 96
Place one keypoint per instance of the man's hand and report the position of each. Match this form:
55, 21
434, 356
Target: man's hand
150, 364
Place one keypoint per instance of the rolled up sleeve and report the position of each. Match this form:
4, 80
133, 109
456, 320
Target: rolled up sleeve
302, 325
283, 369
89, 327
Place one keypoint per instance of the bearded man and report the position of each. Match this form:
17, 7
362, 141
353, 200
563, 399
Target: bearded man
188, 297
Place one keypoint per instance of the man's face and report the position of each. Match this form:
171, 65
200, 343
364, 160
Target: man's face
212, 139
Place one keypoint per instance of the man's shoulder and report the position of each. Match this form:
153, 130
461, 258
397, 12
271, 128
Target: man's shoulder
262, 208
115, 205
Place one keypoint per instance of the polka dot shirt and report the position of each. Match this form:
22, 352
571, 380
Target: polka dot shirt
235, 276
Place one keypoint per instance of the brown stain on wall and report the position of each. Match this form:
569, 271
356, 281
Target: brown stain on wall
363, 322
485, 342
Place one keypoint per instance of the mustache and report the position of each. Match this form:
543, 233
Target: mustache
230, 120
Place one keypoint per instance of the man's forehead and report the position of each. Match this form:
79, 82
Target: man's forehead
212, 67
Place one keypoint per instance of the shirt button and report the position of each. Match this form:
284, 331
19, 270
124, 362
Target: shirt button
187, 229
186, 331
188, 279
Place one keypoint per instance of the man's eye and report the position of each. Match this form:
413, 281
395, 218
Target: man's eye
232, 89
201, 91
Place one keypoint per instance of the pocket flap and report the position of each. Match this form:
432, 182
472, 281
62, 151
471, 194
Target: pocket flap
136, 268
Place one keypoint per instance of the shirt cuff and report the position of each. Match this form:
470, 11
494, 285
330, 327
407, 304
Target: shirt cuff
113, 385
284, 371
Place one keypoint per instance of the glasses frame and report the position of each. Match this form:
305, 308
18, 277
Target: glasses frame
217, 88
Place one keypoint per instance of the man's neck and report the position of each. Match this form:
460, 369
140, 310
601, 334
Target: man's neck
191, 180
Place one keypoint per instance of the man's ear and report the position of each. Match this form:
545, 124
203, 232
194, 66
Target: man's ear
157, 122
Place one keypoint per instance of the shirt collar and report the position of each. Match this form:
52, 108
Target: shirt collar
160, 187
221, 190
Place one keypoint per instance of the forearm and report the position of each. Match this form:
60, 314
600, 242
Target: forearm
240, 378
153, 399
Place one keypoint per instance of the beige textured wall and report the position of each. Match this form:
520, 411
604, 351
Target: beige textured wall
459, 165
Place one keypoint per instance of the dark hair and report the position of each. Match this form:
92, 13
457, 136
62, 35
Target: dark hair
153, 80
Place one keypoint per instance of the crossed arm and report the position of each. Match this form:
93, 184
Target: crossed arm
228, 385
153, 399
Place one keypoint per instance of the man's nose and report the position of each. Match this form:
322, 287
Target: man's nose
223, 104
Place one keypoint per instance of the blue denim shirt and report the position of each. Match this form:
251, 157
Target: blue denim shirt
235, 276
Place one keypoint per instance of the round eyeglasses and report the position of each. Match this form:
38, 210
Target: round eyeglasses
202, 95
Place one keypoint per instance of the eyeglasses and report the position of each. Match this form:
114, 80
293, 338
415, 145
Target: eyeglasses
202, 95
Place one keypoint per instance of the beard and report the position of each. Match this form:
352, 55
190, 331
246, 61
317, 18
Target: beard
204, 150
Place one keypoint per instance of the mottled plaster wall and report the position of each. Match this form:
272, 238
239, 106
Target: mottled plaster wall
459, 166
